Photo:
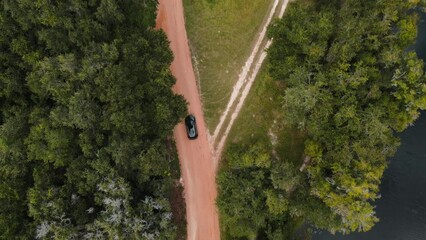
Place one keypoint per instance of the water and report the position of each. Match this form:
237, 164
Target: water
402, 208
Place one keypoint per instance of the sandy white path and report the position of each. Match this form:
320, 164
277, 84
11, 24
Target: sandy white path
242, 77
244, 84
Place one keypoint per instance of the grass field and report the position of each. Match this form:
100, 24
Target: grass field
221, 34
260, 120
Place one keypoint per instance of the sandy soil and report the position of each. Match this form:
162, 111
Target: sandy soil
242, 77
244, 83
195, 156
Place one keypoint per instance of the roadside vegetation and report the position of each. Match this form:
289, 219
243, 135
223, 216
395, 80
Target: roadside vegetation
221, 34
343, 83
260, 147
85, 111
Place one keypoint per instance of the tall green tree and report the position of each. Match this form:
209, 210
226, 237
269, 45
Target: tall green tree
352, 84
86, 107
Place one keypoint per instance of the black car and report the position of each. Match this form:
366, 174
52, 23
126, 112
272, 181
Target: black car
191, 127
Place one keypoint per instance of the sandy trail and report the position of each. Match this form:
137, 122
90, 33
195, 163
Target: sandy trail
251, 66
195, 156
244, 94
244, 72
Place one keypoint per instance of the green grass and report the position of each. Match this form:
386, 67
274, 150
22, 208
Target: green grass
262, 115
221, 35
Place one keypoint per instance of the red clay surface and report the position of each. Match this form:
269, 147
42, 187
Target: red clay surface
195, 156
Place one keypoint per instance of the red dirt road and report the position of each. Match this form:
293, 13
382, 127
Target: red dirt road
195, 156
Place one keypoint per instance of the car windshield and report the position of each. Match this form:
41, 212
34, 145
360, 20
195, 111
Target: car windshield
192, 131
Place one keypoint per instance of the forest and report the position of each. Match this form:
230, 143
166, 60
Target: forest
351, 83
86, 111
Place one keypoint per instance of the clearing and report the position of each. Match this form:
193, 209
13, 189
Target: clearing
222, 34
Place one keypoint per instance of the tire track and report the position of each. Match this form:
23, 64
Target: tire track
244, 72
261, 56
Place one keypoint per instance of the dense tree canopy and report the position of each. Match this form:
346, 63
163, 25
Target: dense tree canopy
85, 110
352, 82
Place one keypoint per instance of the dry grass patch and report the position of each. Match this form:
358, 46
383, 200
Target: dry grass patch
221, 34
